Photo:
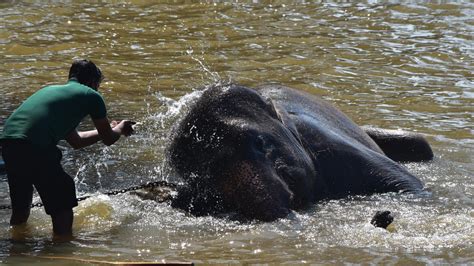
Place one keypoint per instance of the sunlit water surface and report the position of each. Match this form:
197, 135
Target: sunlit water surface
394, 66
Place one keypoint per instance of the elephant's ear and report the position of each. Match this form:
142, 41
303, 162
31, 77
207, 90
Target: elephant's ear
401, 146
285, 118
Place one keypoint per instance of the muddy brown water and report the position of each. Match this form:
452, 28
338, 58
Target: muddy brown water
396, 66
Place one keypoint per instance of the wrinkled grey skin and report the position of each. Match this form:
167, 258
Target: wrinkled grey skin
263, 152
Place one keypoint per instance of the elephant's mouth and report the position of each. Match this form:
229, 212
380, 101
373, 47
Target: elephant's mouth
298, 180
257, 194
266, 207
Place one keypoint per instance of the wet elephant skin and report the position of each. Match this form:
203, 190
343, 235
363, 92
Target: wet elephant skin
260, 153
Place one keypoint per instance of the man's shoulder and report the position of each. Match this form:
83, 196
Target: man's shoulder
76, 85
58, 87
81, 89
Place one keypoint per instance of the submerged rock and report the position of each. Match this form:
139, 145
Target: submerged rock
382, 219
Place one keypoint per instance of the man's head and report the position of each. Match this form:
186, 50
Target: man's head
86, 73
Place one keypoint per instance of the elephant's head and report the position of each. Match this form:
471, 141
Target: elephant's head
237, 154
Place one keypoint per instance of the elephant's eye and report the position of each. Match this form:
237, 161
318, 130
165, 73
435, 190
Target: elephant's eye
264, 145
260, 143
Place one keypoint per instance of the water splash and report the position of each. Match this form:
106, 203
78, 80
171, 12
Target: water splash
207, 74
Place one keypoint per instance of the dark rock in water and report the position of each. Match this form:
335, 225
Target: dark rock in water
382, 219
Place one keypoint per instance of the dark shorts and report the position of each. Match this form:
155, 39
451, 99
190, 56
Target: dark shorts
28, 166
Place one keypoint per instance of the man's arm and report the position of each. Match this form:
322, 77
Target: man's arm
79, 140
103, 132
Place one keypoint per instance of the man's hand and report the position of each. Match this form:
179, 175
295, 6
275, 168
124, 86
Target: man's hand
108, 132
124, 127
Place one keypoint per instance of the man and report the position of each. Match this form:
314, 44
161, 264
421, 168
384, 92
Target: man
30, 136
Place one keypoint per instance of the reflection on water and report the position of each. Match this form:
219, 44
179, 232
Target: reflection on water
406, 66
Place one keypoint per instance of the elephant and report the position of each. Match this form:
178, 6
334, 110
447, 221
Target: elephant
260, 153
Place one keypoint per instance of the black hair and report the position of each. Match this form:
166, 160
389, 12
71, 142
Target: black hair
85, 72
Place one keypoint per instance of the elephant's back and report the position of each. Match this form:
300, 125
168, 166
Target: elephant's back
322, 115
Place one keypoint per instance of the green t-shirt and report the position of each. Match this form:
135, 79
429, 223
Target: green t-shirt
51, 113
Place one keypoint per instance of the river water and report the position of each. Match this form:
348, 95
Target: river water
396, 66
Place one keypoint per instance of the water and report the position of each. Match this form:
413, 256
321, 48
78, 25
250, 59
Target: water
396, 66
